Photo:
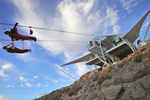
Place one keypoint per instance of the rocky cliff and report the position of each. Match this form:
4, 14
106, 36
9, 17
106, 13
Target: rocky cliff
128, 79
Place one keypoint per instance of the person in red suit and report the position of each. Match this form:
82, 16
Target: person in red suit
14, 34
12, 49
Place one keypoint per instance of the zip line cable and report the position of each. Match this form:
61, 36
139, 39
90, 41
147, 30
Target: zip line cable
46, 29
1, 39
66, 43
59, 68
57, 30
55, 40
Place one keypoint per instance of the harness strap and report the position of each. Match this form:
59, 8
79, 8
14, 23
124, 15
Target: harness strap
22, 44
12, 43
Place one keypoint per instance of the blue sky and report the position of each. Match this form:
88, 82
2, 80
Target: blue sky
30, 75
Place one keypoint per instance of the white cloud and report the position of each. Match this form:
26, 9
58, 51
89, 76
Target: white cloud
5, 68
22, 79
116, 29
147, 24
82, 69
35, 77
2, 73
129, 4
93, 17
75, 16
111, 17
71, 21
86, 6
27, 81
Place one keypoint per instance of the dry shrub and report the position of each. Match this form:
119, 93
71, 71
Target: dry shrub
74, 89
85, 76
103, 75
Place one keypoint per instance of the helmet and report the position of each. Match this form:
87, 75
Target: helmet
4, 47
6, 32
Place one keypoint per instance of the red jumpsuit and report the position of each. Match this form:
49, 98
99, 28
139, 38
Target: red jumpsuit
10, 48
14, 35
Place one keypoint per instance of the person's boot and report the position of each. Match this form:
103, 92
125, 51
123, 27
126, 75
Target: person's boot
27, 50
34, 38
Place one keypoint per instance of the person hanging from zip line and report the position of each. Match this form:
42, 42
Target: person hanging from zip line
15, 35
12, 49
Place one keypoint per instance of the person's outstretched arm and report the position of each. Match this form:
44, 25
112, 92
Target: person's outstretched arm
15, 26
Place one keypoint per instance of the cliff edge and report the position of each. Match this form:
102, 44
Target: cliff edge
128, 79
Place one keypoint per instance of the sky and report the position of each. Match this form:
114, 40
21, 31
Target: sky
31, 75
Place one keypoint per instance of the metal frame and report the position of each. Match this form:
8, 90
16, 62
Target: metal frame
104, 56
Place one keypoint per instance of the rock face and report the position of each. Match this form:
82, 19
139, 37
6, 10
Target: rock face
128, 79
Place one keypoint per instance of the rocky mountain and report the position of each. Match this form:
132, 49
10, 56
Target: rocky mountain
128, 79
